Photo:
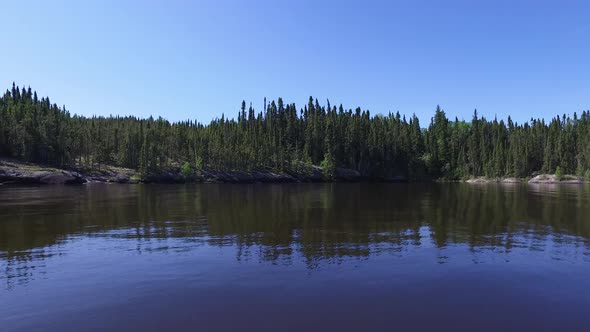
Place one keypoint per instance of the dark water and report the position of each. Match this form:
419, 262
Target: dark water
309, 257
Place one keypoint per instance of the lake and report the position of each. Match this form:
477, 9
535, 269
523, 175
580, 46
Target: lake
295, 257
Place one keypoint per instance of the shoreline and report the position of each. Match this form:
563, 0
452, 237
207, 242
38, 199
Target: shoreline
14, 172
538, 179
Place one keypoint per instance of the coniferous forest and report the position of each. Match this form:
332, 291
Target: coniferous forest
282, 135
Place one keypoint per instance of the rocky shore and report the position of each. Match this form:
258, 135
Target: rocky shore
23, 176
482, 180
21, 173
553, 179
16, 172
538, 179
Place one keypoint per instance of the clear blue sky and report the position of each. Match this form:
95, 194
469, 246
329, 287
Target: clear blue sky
198, 59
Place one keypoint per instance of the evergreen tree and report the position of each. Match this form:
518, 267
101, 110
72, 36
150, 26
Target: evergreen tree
281, 137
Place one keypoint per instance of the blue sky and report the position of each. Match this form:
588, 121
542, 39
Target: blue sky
198, 59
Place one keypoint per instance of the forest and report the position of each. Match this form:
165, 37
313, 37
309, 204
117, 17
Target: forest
282, 136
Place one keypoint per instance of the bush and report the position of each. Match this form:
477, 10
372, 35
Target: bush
559, 173
186, 170
587, 175
199, 163
328, 166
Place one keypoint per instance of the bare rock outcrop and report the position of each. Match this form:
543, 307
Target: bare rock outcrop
553, 179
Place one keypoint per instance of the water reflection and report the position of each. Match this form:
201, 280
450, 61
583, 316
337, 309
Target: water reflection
315, 224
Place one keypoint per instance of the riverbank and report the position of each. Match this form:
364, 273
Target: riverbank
538, 179
22, 173
483, 180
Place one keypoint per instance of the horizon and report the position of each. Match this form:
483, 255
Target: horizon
199, 61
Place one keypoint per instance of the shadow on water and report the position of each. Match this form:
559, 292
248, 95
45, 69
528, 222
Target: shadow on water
316, 223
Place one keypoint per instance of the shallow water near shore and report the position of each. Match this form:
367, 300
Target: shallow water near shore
294, 257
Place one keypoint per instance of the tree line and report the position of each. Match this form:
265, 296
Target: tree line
282, 137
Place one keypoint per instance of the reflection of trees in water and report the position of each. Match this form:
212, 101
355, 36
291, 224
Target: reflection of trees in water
21, 269
274, 223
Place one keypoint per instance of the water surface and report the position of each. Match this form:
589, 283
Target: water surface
295, 257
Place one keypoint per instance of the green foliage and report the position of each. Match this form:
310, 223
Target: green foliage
328, 166
199, 163
187, 170
587, 175
283, 137
559, 173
